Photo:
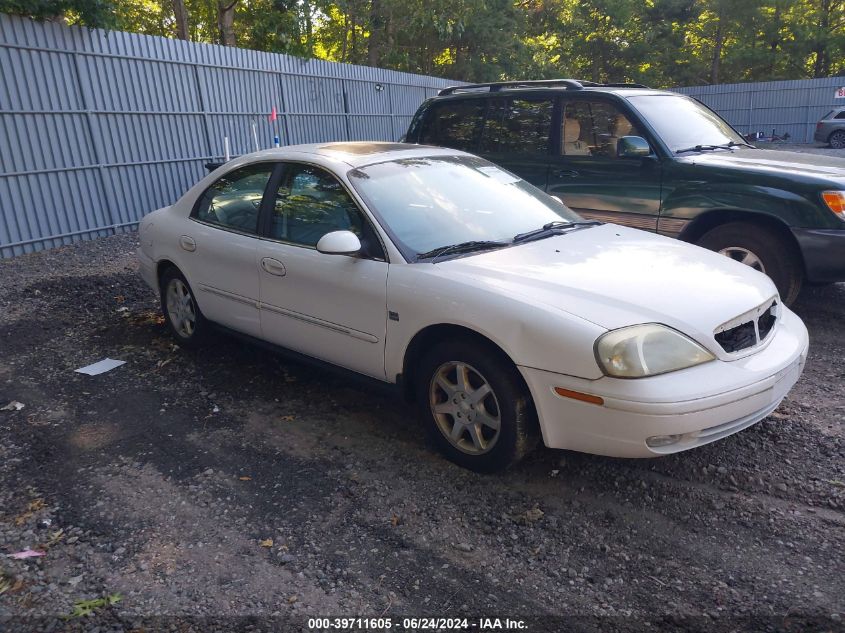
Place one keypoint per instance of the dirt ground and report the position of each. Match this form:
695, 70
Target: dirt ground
232, 489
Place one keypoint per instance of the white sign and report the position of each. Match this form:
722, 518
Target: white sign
840, 93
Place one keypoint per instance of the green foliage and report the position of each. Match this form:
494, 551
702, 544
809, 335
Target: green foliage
86, 608
94, 13
656, 42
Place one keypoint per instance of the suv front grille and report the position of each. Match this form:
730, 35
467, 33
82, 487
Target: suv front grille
751, 332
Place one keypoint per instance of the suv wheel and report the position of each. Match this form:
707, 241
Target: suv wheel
475, 406
837, 139
763, 250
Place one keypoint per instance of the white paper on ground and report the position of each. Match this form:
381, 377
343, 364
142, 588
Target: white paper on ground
107, 364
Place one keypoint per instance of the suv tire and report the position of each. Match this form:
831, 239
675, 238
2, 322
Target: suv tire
837, 139
762, 248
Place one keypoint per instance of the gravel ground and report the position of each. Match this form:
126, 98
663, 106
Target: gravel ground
230, 488
804, 148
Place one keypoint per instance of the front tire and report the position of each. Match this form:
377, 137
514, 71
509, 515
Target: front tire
837, 139
762, 249
475, 406
181, 312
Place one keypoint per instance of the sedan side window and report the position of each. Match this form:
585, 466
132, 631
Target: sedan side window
233, 202
593, 128
310, 203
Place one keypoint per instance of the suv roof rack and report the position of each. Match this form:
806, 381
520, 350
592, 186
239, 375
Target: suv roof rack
569, 84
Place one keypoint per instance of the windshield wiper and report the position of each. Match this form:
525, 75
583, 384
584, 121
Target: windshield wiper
702, 148
552, 228
462, 247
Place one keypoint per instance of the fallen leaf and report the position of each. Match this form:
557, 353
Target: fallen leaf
82, 608
266, 543
394, 520
32, 508
55, 537
529, 516
245, 478
292, 599
288, 418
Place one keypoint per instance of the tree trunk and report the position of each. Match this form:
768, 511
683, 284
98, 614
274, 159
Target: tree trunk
226, 22
821, 65
181, 19
717, 51
375, 43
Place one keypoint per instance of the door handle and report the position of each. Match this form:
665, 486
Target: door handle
273, 266
187, 243
565, 173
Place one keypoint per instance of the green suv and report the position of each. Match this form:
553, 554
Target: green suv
657, 161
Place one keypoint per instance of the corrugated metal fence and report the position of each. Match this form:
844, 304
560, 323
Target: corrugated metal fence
787, 107
98, 128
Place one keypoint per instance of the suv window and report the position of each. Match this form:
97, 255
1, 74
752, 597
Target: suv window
234, 200
593, 128
841, 115
454, 124
310, 202
517, 126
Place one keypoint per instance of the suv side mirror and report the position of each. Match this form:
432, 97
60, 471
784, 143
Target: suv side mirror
632, 147
339, 243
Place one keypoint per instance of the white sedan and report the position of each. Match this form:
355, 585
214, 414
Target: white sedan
502, 313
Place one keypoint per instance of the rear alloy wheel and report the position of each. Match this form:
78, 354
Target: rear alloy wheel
181, 311
837, 139
475, 406
763, 250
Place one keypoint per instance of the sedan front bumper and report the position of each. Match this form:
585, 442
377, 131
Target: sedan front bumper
697, 405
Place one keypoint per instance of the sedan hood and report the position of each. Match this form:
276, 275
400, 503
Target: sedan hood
615, 276
775, 162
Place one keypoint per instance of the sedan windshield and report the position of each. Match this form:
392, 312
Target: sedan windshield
684, 123
430, 203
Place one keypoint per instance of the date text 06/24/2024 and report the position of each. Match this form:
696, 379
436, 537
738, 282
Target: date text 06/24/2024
416, 624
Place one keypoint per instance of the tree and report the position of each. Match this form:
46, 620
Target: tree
226, 22
181, 15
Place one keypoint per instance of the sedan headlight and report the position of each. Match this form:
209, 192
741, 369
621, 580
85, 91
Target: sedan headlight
647, 350
835, 201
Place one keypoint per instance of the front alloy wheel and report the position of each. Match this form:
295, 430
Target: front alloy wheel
475, 405
837, 139
465, 408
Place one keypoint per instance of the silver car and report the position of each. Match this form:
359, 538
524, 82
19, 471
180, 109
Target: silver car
831, 129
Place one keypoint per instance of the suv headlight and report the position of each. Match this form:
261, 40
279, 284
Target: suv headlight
647, 350
835, 201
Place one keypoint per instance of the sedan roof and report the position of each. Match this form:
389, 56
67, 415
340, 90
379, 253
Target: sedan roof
357, 153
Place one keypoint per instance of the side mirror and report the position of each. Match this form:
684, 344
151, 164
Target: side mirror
339, 243
632, 147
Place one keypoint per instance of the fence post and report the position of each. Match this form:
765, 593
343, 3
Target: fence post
202, 103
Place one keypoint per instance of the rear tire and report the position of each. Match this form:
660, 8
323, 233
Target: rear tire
475, 406
181, 313
761, 248
837, 139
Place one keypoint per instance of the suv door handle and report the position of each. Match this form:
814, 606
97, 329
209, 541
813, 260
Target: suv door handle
273, 266
187, 243
565, 173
